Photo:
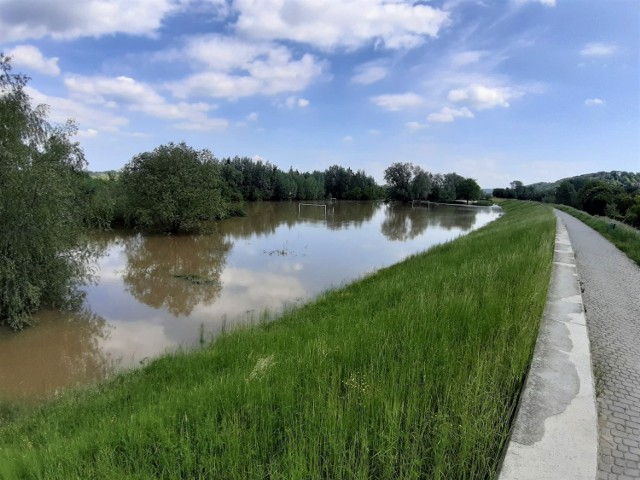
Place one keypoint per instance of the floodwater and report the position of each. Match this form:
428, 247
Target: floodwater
157, 293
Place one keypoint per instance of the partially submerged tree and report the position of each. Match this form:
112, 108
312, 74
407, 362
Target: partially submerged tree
399, 176
173, 189
420, 184
40, 262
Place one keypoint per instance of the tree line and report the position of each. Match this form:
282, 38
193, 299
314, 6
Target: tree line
612, 194
175, 188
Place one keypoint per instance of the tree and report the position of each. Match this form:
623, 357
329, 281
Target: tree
566, 194
420, 184
399, 176
337, 181
468, 189
41, 258
173, 189
448, 191
596, 195
518, 189
503, 193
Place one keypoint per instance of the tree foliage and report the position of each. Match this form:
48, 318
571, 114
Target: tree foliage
596, 195
468, 189
566, 194
420, 184
173, 189
41, 261
345, 184
613, 194
398, 176
408, 182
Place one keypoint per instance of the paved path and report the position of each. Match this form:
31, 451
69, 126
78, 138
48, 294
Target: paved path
611, 298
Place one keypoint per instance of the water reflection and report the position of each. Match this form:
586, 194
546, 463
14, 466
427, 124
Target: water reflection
265, 218
403, 222
279, 254
175, 273
58, 352
350, 214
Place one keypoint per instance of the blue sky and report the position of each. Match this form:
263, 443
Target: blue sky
534, 90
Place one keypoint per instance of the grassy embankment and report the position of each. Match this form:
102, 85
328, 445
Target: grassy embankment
412, 372
626, 238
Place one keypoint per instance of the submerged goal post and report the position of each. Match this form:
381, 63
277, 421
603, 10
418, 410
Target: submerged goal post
300, 205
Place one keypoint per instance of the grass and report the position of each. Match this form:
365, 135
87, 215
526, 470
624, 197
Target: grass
626, 238
412, 372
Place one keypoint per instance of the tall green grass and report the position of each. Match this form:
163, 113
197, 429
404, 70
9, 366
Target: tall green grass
412, 372
626, 238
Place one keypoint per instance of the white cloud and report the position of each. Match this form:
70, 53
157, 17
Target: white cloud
293, 101
252, 117
548, 3
69, 19
369, 73
482, 97
88, 133
599, 49
236, 68
347, 139
328, 24
30, 57
594, 102
395, 102
415, 126
462, 59
203, 125
447, 114
139, 97
87, 118
222, 53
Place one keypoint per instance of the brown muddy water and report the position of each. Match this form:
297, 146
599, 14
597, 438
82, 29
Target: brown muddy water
154, 294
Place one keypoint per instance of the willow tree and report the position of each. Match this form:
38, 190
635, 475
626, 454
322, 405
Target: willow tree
40, 259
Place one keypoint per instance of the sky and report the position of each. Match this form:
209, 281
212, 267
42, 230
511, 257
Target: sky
529, 90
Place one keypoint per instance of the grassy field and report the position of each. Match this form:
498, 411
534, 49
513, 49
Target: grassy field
623, 236
412, 372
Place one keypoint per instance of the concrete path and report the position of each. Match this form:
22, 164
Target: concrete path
555, 435
611, 296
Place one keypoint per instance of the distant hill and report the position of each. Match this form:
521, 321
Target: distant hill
627, 180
